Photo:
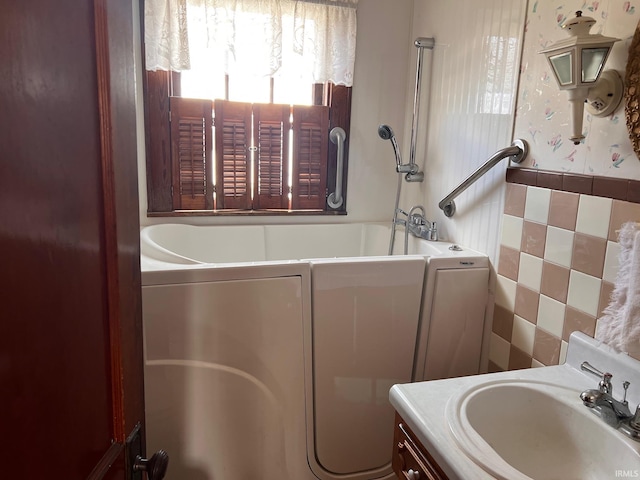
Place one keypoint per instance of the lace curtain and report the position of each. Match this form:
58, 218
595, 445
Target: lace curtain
311, 40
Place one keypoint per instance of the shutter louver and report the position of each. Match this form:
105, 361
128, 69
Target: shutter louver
233, 139
191, 133
311, 137
272, 127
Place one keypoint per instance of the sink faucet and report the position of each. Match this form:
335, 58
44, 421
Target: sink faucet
614, 413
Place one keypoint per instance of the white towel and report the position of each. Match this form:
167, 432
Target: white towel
619, 326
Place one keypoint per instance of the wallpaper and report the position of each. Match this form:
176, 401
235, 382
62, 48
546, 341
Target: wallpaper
543, 111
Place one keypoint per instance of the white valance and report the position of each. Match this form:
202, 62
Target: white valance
312, 39
165, 35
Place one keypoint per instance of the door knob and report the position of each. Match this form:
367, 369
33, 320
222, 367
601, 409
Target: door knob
156, 466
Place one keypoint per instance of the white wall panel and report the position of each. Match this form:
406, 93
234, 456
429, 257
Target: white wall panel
473, 78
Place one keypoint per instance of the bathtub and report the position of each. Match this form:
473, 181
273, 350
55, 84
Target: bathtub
270, 350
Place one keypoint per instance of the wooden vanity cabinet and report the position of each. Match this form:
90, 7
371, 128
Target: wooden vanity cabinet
411, 460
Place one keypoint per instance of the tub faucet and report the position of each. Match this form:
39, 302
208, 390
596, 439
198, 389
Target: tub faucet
419, 226
614, 413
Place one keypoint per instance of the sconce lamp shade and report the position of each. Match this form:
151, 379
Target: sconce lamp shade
577, 63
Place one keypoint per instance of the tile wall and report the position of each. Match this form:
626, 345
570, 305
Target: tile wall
557, 266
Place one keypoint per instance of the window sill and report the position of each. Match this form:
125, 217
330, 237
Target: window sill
243, 213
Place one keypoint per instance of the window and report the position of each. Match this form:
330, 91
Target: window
216, 154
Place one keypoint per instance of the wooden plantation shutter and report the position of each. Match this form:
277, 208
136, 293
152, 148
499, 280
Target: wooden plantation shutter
272, 126
179, 175
191, 133
233, 167
310, 146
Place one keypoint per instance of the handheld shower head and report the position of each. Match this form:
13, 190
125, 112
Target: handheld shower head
386, 133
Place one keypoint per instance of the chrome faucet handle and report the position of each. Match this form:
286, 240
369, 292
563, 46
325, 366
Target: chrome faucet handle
605, 382
433, 232
417, 219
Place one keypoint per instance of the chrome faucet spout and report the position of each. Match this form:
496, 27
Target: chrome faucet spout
613, 411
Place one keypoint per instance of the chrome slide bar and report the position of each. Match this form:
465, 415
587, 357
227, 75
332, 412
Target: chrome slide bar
420, 43
517, 152
337, 137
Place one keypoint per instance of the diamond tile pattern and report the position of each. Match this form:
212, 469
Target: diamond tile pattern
557, 248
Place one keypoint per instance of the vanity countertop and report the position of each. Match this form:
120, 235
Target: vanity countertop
423, 405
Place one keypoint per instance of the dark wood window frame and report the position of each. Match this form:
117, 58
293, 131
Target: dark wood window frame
167, 195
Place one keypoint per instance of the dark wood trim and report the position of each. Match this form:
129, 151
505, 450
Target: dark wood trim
339, 100
158, 140
409, 449
615, 188
108, 459
121, 225
109, 213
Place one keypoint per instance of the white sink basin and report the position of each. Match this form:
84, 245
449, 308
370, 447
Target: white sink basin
534, 430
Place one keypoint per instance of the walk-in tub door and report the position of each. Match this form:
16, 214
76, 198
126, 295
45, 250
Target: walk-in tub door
365, 320
224, 378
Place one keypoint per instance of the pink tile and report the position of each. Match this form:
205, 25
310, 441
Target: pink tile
555, 281
502, 322
575, 320
526, 305
622, 212
509, 262
533, 238
546, 348
515, 198
588, 254
563, 210
518, 359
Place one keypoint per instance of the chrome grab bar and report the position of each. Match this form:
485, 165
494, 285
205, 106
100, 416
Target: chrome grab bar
337, 137
517, 152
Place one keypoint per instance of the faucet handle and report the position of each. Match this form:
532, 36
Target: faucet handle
605, 382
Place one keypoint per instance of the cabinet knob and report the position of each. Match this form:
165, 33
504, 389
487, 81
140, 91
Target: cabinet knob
156, 466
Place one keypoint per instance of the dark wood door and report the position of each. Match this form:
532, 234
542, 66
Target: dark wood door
71, 387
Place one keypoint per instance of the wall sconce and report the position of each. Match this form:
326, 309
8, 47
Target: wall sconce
577, 63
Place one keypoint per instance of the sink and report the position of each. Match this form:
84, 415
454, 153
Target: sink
518, 430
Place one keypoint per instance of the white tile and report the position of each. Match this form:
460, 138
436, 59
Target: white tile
594, 214
536, 364
499, 350
611, 263
584, 292
559, 246
506, 293
530, 271
512, 231
551, 315
536, 208
523, 334
563, 352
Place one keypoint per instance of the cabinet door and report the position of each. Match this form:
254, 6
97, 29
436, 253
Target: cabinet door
70, 329
411, 460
